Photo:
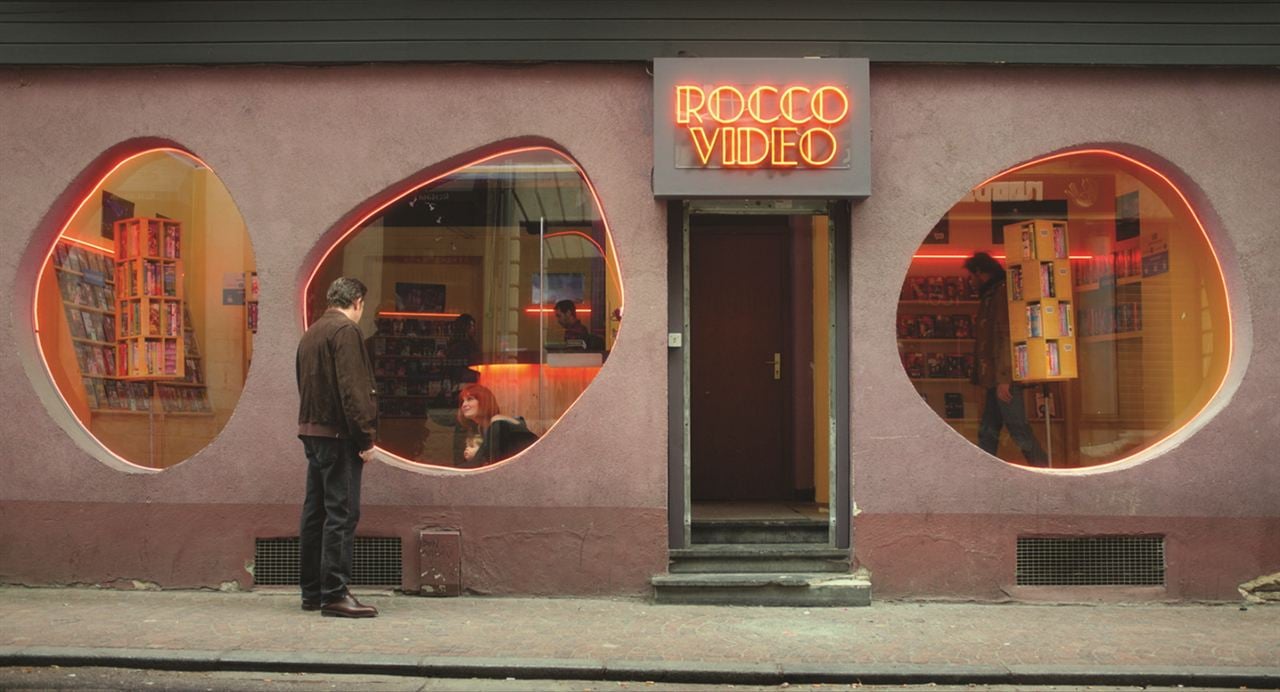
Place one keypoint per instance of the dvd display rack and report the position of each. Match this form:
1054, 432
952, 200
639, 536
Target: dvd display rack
935, 342
149, 306
191, 394
251, 302
1042, 326
86, 286
411, 366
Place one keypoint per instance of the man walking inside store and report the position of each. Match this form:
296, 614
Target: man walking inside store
337, 419
1003, 405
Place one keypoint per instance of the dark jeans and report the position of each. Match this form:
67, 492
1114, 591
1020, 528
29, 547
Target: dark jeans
1012, 415
329, 517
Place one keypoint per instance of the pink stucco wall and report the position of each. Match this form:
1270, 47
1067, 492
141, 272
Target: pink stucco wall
584, 511
298, 148
926, 497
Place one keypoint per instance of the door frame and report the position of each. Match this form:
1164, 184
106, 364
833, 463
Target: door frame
679, 504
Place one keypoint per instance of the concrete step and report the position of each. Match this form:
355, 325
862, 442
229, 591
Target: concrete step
791, 530
758, 557
797, 590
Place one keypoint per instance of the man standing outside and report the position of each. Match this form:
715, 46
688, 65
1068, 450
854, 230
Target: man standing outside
1003, 405
574, 329
337, 420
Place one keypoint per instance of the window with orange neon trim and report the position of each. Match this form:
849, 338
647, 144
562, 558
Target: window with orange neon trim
494, 283
1101, 329
146, 308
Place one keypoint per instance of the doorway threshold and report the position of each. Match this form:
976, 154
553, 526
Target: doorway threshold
758, 511
738, 522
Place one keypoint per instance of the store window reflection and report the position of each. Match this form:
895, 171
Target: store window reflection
1117, 330
146, 308
494, 301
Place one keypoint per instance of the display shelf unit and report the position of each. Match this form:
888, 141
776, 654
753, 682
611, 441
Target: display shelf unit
1041, 318
86, 286
1110, 309
1115, 336
935, 342
1043, 326
411, 367
149, 306
1142, 321
1111, 297
191, 394
251, 302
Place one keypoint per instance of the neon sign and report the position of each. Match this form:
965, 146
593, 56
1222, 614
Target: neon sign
767, 126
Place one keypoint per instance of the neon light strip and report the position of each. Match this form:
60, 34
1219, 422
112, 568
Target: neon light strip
577, 233
48, 257
535, 310
445, 315
504, 367
1199, 224
595, 196
962, 257
85, 243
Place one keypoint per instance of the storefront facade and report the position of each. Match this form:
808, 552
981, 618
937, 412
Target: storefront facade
311, 156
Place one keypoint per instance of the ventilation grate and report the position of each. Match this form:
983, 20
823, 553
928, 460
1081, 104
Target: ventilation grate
1091, 561
374, 562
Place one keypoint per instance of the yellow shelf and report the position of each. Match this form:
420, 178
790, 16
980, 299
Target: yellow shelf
1118, 336
1122, 281
88, 308
82, 340
66, 270
150, 310
1040, 274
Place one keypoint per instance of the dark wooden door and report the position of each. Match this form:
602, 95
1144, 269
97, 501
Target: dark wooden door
740, 421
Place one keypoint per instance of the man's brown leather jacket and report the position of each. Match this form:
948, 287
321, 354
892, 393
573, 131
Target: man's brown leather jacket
335, 382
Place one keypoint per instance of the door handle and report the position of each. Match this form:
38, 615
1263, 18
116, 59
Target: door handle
777, 365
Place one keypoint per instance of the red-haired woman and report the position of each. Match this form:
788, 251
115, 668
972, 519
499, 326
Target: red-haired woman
500, 436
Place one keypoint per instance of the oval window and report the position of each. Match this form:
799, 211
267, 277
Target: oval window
494, 285
146, 307
1067, 313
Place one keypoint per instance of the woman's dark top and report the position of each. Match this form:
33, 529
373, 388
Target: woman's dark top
504, 438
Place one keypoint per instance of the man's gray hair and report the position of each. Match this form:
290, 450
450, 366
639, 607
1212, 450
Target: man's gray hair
344, 292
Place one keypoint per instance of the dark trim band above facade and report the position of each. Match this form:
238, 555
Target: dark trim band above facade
1090, 32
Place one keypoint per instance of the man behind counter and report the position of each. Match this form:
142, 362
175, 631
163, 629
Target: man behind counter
574, 329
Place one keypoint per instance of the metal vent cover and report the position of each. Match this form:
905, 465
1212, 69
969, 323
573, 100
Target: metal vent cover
375, 562
1091, 561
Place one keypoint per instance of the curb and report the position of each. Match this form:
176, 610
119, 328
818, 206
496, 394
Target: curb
691, 672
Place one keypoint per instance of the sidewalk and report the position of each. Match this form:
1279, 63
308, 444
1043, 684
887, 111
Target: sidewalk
592, 639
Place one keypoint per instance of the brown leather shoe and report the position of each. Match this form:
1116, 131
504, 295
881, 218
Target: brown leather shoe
347, 607
310, 605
